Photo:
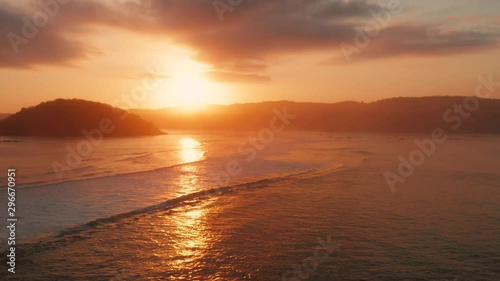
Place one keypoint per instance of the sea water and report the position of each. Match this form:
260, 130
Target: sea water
304, 206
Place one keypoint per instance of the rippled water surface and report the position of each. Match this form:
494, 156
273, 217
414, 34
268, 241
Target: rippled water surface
314, 207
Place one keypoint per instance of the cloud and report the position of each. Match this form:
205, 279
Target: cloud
343, 9
258, 30
147, 75
241, 47
234, 77
26, 44
419, 40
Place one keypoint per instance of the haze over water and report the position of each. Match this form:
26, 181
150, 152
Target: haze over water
303, 190
289, 140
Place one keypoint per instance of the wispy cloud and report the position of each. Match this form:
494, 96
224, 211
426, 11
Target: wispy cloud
234, 77
241, 47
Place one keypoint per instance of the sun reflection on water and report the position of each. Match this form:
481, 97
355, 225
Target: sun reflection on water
191, 239
191, 150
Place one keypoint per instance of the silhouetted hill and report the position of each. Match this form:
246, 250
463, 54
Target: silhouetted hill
4, 115
395, 115
69, 118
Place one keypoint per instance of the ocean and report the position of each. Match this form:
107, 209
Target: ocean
223, 206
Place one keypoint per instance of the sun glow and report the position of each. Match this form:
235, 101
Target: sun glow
191, 91
191, 150
187, 87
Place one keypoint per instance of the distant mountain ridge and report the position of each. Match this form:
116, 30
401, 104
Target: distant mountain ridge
394, 115
70, 117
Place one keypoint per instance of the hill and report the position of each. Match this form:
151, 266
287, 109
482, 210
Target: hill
4, 115
395, 115
69, 118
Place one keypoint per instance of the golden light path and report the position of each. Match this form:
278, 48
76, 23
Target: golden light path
191, 150
192, 240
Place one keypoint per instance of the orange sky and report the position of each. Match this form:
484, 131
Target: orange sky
204, 51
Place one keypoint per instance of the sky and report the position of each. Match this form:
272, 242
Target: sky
163, 53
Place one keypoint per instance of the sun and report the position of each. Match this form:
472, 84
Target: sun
191, 91
186, 87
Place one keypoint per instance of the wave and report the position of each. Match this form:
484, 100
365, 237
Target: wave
90, 175
104, 174
52, 240
137, 157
